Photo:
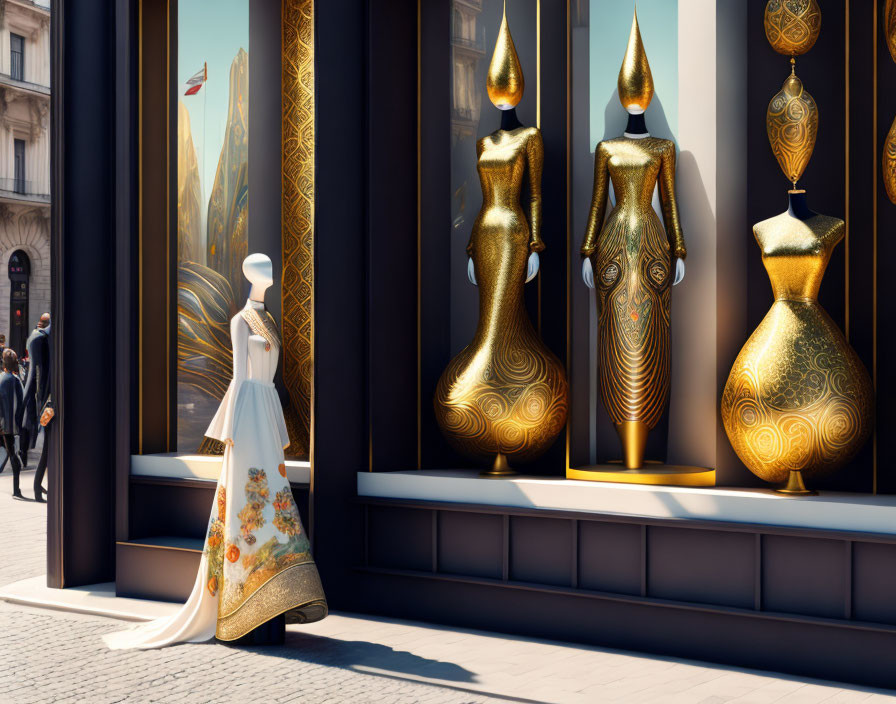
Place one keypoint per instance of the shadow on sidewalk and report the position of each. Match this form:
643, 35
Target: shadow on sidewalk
378, 660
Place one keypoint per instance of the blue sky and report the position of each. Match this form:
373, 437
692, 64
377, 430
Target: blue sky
610, 24
210, 31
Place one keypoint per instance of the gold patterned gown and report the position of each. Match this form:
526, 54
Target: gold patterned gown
506, 392
798, 397
631, 256
257, 561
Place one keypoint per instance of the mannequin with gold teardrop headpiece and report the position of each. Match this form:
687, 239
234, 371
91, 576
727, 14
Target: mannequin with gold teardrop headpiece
504, 397
628, 261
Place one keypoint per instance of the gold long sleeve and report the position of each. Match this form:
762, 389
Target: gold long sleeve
535, 154
670, 204
598, 201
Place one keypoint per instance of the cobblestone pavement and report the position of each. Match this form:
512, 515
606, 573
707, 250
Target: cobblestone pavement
53, 656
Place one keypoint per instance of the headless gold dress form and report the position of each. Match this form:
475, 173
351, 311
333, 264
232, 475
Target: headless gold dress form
798, 399
505, 396
631, 256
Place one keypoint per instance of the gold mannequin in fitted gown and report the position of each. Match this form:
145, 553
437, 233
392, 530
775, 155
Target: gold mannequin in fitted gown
504, 397
631, 257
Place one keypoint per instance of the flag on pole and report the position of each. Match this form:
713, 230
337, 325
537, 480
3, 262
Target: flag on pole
196, 80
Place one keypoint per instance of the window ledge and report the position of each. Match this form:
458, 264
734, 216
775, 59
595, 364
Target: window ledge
184, 466
861, 513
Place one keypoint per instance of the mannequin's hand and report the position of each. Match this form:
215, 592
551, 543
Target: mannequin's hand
679, 271
532, 266
587, 272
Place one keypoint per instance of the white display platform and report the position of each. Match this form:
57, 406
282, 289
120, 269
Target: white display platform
97, 599
183, 466
828, 511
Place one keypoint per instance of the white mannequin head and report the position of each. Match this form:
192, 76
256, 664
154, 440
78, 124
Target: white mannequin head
259, 270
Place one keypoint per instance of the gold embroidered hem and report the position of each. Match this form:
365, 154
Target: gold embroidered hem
296, 589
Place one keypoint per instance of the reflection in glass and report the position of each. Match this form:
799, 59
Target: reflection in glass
213, 196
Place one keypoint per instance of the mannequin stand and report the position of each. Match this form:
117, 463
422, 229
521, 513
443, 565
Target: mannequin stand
796, 486
272, 632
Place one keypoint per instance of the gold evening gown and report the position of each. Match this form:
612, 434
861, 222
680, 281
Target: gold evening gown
631, 256
798, 397
505, 396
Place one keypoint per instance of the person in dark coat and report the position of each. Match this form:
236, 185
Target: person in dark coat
37, 392
11, 408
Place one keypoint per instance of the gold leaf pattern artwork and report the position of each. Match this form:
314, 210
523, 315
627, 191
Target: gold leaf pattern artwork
298, 217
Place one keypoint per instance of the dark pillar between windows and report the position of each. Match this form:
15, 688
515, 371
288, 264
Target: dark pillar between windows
79, 526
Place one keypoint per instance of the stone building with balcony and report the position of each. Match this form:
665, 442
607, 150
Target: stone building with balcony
24, 167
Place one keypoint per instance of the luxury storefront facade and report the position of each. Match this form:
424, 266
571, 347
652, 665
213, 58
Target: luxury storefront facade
361, 164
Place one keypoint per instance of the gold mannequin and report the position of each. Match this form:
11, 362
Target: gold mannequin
504, 397
629, 262
798, 401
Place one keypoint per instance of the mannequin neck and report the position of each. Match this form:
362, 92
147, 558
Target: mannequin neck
256, 293
637, 126
509, 120
797, 206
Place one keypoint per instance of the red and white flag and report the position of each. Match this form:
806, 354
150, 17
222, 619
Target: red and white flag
196, 80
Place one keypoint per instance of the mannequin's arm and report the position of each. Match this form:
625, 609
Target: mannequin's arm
479, 148
535, 153
239, 336
598, 201
670, 205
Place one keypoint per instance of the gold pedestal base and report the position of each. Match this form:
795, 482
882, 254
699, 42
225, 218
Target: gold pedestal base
500, 468
796, 486
652, 474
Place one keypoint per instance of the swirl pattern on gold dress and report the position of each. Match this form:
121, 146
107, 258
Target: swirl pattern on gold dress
792, 26
631, 256
506, 392
798, 397
792, 125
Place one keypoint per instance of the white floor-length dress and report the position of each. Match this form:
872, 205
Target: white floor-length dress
257, 561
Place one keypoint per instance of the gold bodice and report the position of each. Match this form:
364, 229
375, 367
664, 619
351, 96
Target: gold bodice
796, 253
634, 166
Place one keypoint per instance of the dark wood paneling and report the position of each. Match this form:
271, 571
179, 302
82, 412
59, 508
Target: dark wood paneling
874, 582
541, 550
471, 544
157, 226
701, 566
610, 557
150, 572
187, 505
803, 576
400, 538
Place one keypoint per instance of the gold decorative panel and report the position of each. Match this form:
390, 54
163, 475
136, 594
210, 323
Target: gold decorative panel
298, 217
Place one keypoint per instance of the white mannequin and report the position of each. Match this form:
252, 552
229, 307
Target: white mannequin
259, 270
587, 270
